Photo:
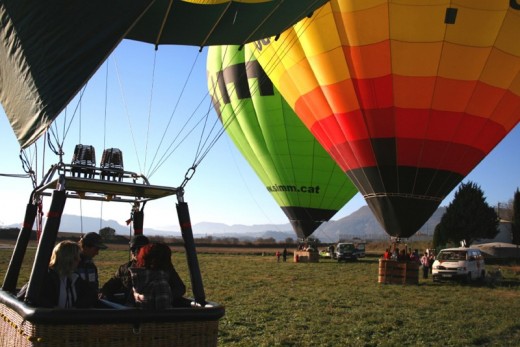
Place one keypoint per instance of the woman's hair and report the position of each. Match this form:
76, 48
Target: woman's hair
64, 258
155, 256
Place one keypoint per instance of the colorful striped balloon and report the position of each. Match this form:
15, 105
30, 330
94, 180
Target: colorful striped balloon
407, 96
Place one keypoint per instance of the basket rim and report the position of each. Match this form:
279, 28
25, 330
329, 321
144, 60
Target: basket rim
210, 312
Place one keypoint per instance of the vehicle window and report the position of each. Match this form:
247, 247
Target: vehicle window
361, 246
452, 255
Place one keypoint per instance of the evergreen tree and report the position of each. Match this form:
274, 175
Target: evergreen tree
107, 233
439, 237
515, 225
469, 217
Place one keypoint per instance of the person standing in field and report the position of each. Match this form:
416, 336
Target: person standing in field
278, 254
425, 262
284, 254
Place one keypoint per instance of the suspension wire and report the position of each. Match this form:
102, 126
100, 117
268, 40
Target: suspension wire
198, 158
150, 110
106, 106
202, 151
127, 114
105, 117
171, 118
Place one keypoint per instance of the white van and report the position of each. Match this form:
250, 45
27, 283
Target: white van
459, 264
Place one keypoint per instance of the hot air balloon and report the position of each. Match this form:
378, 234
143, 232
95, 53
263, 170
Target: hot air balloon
49, 50
298, 173
407, 97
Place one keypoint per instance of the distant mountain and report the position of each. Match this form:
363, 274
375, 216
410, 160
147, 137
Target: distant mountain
363, 224
360, 223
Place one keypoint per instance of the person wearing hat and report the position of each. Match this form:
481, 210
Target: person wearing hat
90, 245
119, 287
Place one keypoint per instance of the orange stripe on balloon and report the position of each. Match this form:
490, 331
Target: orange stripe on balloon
369, 61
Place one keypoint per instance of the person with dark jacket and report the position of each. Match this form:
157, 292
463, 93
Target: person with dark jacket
156, 284
119, 287
90, 244
62, 287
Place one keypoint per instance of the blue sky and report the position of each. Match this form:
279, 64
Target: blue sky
138, 106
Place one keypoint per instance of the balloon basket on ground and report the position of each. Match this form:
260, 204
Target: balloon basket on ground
23, 322
398, 272
306, 256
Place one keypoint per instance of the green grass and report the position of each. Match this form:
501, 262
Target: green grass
341, 304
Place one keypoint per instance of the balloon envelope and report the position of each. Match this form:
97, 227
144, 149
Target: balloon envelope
299, 174
49, 49
407, 97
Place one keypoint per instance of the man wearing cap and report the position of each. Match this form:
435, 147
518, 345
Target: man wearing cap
119, 287
90, 245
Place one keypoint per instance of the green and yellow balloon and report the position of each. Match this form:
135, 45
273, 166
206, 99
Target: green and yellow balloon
299, 174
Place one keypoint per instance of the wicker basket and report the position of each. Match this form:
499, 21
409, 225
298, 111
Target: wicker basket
396, 272
22, 325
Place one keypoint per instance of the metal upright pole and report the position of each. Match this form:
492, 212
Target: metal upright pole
45, 247
13, 271
191, 252
138, 220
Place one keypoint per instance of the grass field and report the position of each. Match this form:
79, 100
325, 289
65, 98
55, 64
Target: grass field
340, 304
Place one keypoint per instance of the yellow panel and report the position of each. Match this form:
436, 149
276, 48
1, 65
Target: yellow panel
475, 27
363, 27
509, 37
420, 23
321, 36
500, 69
330, 67
415, 59
302, 77
290, 91
462, 62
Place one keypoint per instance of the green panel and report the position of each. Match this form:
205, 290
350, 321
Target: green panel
300, 175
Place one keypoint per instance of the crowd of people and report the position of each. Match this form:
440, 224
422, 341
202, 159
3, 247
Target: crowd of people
148, 280
406, 254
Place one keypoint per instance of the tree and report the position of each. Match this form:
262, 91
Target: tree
107, 233
439, 237
469, 217
515, 225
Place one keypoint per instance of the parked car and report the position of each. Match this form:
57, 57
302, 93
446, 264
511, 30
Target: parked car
349, 251
459, 264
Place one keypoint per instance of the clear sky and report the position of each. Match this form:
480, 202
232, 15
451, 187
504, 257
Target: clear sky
130, 109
